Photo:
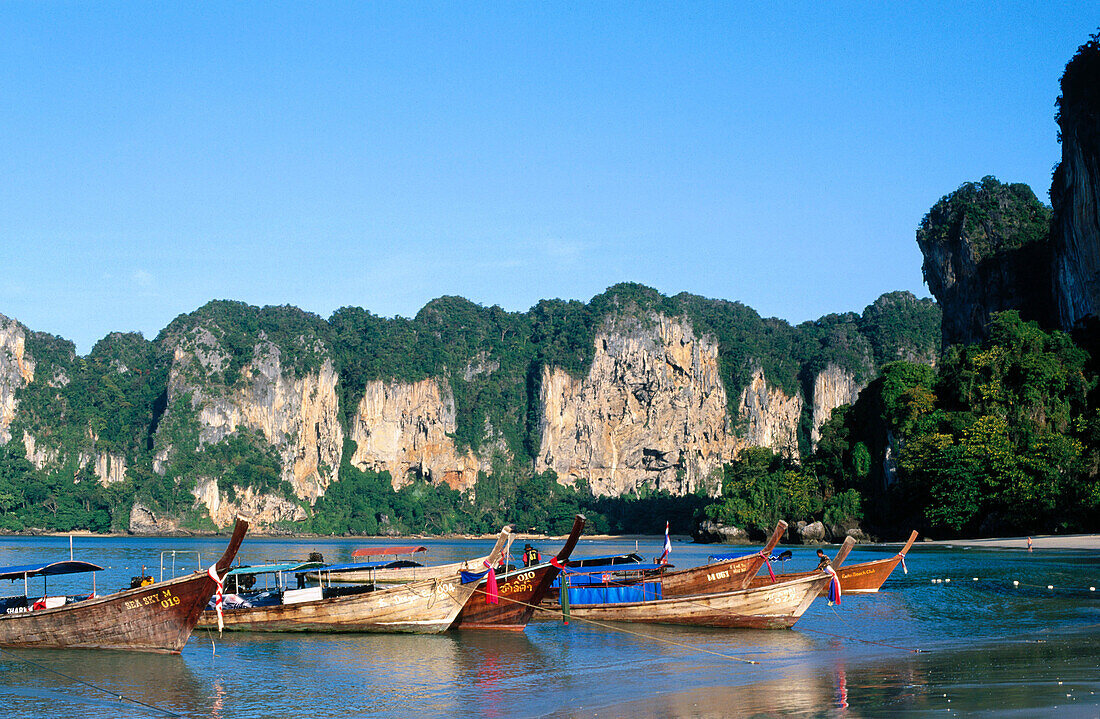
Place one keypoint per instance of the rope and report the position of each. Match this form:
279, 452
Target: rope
612, 627
120, 697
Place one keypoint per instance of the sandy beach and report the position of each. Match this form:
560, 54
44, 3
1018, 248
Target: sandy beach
1038, 541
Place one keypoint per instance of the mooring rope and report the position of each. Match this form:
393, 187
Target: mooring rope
120, 697
612, 627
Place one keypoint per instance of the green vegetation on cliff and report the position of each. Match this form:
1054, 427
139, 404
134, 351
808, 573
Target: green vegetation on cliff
1002, 438
115, 401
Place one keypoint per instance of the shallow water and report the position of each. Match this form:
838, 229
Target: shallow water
987, 648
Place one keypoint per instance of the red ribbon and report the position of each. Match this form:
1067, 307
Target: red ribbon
491, 595
554, 561
768, 565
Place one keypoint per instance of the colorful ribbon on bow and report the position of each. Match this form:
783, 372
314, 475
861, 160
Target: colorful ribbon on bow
768, 564
491, 595
554, 562
903, 567
834, 586
219, 596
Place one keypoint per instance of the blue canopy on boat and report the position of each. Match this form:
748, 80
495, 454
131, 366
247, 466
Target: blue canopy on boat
274, 568
49, 569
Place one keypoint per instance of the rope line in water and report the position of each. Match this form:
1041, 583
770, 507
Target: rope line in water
120, 697
604, 625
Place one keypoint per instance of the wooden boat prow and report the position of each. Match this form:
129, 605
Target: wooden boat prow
520, 591
158, 617
862, 578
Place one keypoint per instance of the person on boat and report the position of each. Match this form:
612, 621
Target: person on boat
530, 556
822, 560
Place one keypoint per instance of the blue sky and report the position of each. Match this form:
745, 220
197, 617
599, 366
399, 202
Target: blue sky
156, 156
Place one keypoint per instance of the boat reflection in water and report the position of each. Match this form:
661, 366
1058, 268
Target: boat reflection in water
164, 681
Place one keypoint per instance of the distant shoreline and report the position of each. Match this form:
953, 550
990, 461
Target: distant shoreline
1039, 541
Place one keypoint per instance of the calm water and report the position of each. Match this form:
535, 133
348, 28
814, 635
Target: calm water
988, 648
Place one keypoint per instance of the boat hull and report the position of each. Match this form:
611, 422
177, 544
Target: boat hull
424, 607
727, 576
520, 592
773, 607
156, 618
862, 578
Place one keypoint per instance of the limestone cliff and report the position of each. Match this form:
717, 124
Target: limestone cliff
833, 387
16, 371
1075, 193
262, 508
651, 412
298, 417
406, 428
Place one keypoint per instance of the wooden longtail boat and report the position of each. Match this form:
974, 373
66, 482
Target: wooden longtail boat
519, 591
724, 576
862, 578
157, 617
426, 606
772, 607
401, 571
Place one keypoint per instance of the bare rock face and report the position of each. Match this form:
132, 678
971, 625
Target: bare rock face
771, 418
407, 428
1075, 193
298, 417
16, 371
261, 508
651, 412
833, 387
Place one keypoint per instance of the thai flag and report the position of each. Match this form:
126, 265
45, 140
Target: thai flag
667, 547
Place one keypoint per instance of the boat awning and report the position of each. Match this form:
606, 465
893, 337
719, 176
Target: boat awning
605, 560
275, 568
49, 569
386, 551
364, 566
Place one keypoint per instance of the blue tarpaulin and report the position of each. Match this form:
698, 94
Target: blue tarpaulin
613, 595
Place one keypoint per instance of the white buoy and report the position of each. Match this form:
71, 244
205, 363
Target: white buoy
1050, 586
1092, 589
975, 579
948, 579
1015, 582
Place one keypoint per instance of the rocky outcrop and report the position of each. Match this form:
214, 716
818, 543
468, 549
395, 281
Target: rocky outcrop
710, 532
1075, 193
651, 412
982, 245
262, 509
145, 521
406, 429
833, 387
16, 371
